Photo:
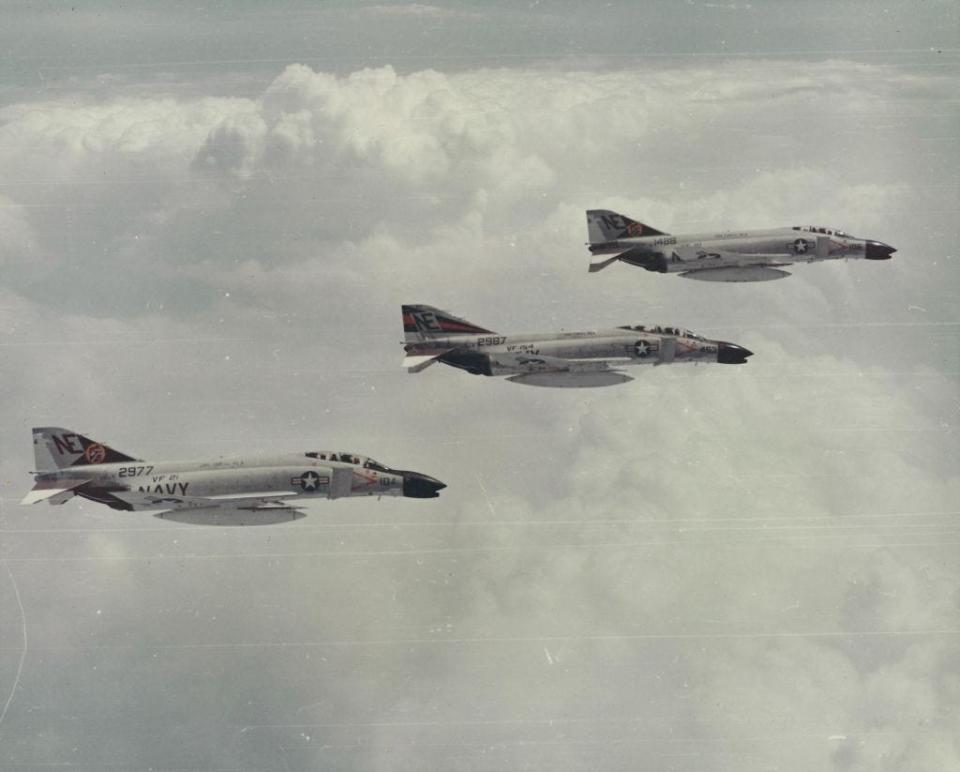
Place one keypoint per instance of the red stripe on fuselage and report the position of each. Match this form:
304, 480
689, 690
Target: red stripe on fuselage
446, 325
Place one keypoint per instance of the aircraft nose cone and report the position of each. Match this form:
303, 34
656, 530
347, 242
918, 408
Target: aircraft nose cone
877, 250
732, 354
420, 486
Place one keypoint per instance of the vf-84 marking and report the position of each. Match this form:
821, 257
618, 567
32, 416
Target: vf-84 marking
563, 359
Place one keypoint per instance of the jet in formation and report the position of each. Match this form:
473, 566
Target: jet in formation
734, 256
560, 359
223, 491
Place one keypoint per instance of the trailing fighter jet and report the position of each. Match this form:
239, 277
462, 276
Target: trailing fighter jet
730, 256
223, 491
560, 359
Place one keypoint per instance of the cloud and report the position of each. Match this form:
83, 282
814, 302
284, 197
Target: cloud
486, 172
412, 9
742, 564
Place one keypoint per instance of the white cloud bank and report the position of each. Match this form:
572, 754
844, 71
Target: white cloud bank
718, 568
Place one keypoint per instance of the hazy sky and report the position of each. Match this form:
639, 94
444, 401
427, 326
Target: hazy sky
208, 221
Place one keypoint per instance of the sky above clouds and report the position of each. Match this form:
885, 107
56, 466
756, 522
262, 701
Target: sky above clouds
208, 221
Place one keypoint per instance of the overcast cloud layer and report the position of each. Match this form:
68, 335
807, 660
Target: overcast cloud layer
710, 568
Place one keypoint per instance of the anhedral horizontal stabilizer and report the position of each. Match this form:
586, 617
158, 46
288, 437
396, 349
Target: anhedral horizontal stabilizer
54, 491
600, 262
418, 363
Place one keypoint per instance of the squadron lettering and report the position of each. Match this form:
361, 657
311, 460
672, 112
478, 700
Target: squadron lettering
169, 488
67, 443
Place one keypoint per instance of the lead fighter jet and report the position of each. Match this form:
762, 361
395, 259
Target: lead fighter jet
223, 491
729, 256
561, 359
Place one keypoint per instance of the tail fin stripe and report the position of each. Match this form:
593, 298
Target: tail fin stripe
57, 448
447, 324
421, 323
605, 226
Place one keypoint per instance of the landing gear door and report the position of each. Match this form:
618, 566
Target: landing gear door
823, 247
668, 349
342, 482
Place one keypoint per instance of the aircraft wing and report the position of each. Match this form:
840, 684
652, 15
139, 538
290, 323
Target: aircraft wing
535, 370
233, 515
597, 365
701, 258
537, 363
248, 501
263, 508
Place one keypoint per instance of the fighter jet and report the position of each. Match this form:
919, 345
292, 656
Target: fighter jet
222, 491
729, 256
561, 359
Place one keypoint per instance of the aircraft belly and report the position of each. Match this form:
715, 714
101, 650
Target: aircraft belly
734, 273
571, 380
231, 517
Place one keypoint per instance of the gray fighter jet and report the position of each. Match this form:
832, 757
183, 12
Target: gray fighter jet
561, 359
729, 256
223, 491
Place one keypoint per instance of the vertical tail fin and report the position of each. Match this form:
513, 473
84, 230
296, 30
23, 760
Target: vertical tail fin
55, 448
421, 323
604, 225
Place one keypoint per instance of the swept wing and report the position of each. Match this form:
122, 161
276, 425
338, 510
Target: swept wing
247, 501
537, 363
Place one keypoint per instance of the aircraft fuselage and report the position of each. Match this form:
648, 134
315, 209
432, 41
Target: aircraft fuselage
744, 255
301, 476
70, 464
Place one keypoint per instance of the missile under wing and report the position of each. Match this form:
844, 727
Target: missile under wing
731, 256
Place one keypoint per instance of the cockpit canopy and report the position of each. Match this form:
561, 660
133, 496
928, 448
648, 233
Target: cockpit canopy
680, 332
347, 458
824, 231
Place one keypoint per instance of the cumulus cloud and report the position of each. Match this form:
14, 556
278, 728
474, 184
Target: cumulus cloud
492, 167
